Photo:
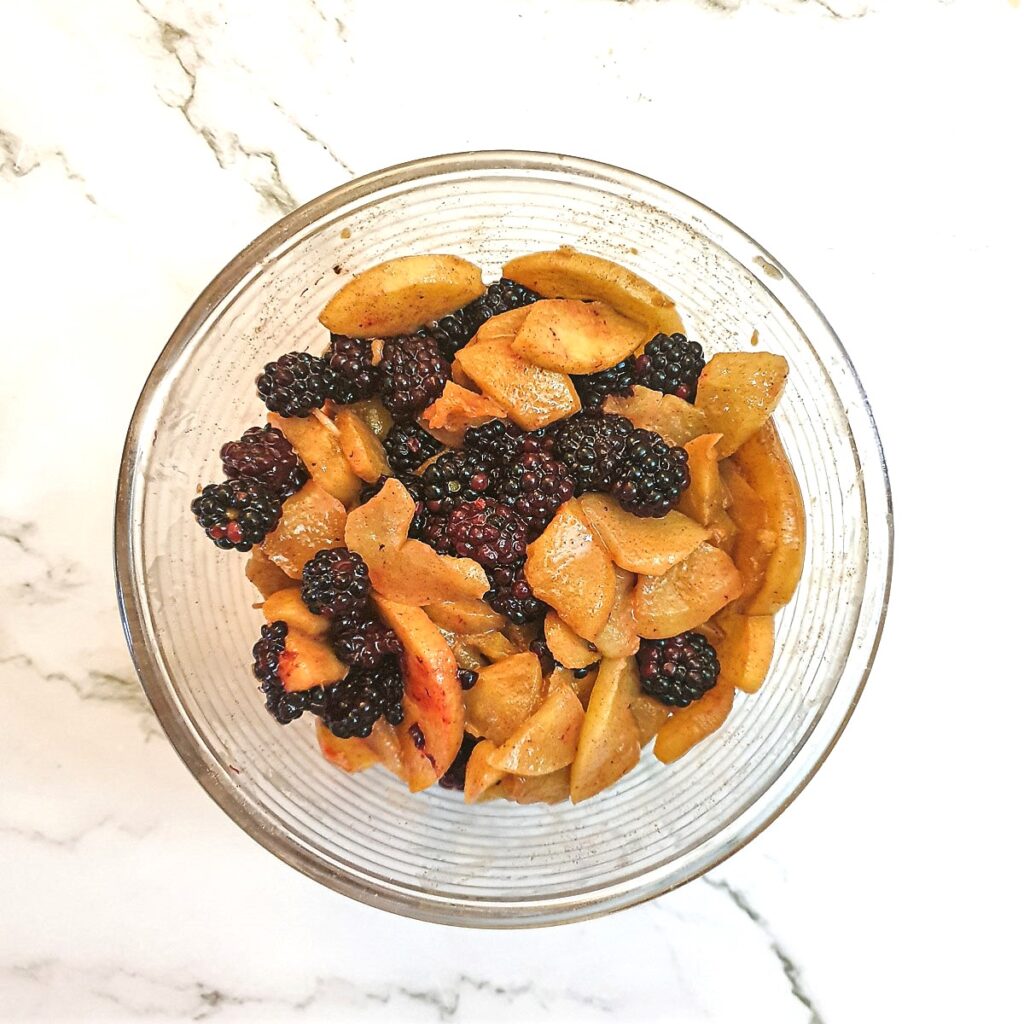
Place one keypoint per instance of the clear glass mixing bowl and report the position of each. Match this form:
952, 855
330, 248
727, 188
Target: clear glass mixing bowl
188, 609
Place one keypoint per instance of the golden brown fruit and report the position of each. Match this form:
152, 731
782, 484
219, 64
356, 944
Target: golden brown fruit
569, 274
569, 568
609, 743
351, 755
318, 443
287, 606
576, 337
705, 498
505, 695
687, 595
264, 575
547, 740
647, 546
306, 662
493, 645
754, 542
480, 776
362, 449
582, 686
618, 637
372, 412
467, 615
763, 463
311, 520
416, 574
567, 646
400, 295
689, 725
537, 789
383, 741
671, 417
455, 411
650, 715
745, 650
737, 392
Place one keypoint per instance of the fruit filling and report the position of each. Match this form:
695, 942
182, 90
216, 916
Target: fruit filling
508, 536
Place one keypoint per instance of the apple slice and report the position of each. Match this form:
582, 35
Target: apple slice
687, 595
609, 743
737, 392
705, 498
287, 606
505, 695
547, 740
480, 776
568, 567
582, 686
383, 741
311, 520
364, 452
745, 651
351, 755
576, 337
372, 412
467, 615
568, 648
456, 410
618, 637
754, 541
650, 715
264, 575
567, 273
493, 645
400, 295
419, 769
533, 397
763, 463
522, 636
318, 443
689, 725
536, 789
416, 574
647, 546
306, 662
431, 683
671, 417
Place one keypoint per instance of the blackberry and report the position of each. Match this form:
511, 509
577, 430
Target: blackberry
594, 388
488, 532
468, 678
650, 476
679, 670
498, 438
408, 446
455, 777
296, 384
263, 454
511, 596
535, 485
237, 513
412, 374
414, 486
671, 364
336, 582
355, 376
453, 331
591, 446
435, 533
285, 706
364, 644
353, 706
455, 477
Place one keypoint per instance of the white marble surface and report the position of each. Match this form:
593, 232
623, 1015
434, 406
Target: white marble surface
873, 146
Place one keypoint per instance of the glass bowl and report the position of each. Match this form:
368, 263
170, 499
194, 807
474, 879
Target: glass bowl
188, 609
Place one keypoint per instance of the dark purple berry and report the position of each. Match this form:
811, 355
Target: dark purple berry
296, 384
671, 364
408, 446
412, 374
488, 532
237, 513
679, 670
263, 454
336, 582
351, 360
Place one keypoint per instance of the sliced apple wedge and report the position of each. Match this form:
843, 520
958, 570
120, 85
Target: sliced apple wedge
648, 546
568, 567
318, 443
618, 637
547, 740
609, 742
350, 755
754, 542
705, 498
467, 615
383, 741
372, 412
456, 411
763, 463
480, 775
311, 520
687, 595
287, 606
671, 417
493, 645
745, 650
416, 574
567, 646
576, 337
264, 575
689, 725
431, 682
582, 686
306, 662
738, 392
650, 715
537, 789
567, 273
401, 295
360, 445
505, 695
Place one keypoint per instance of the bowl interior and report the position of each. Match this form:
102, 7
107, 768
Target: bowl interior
189, 610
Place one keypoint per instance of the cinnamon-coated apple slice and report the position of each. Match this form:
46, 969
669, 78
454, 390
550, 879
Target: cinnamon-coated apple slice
480, 774
456, 411
318, 443
745, 649
287, 606
311, 520
689, 725
306, 662
738, 392
361, 447
618, 637
673, 418
547, 740
350, 755
264, 575
505, 695
705, 498
567, 646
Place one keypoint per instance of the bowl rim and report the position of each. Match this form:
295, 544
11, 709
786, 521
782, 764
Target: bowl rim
185, 742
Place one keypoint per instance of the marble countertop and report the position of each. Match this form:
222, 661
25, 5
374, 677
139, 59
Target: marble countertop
873, 146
